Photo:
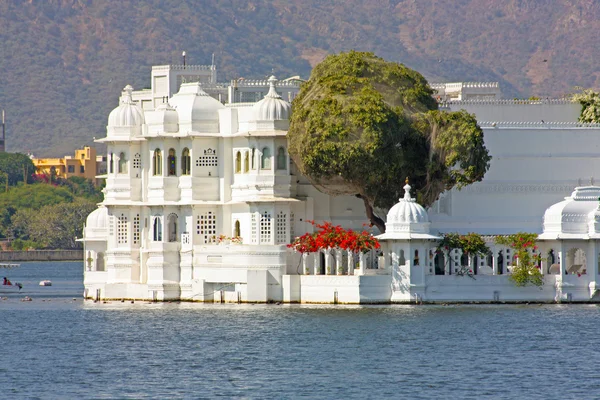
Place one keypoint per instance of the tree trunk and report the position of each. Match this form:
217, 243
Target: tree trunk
374, 219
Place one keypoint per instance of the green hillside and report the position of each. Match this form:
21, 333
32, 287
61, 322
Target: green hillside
64, 62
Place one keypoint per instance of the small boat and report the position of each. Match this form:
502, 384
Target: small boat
46, 283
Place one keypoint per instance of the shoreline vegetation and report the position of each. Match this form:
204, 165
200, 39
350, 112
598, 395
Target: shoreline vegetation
42, 211
42, 255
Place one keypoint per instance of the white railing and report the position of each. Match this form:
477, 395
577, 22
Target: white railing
536, 124
503, 102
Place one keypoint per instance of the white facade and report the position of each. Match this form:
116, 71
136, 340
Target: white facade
201, 200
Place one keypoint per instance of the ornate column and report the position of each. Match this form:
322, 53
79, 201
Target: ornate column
316, 262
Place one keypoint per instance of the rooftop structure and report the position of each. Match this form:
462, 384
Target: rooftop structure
166, 80
85, 163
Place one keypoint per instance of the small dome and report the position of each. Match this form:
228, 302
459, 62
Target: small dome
407, 215
127, 114
575, 216
96, 224
163, 119
97, 218
197, 110
272, 107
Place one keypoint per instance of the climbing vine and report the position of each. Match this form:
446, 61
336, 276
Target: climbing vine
590, 105
471, 244
527, 269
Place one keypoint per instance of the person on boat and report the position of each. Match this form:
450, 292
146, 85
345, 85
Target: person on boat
5, 281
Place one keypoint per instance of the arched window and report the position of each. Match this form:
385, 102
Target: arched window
416, 259
122, 163
172, 227
185, 162
157, 229
401, 259
157, 163
100, 262
281, 158
238, 162
253, 157
265, 160
172, 162
111, 160
236, 229
246, 161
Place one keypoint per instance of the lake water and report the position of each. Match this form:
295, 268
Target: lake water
60, 347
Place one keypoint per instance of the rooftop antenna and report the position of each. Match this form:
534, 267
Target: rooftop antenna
2, 147
183, 55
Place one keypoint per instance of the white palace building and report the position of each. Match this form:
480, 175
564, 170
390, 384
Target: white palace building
201, 199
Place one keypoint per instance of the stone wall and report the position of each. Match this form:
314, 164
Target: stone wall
42, 255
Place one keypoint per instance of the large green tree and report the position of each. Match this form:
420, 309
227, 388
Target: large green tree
28, 197
18, 167
54, 226
360, 125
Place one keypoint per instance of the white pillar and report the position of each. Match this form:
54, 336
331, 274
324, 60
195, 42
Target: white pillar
562, 256
592, 260
447, 262
350, 263
328, 268
495, 260
316, 262
305, 266
361, 263
383, 260
338, 262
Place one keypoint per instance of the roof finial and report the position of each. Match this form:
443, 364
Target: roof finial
272, 91
127, 97
407, 191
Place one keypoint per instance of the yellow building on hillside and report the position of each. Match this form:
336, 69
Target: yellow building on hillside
85, 164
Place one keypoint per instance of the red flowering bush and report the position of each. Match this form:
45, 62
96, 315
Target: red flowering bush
329, 236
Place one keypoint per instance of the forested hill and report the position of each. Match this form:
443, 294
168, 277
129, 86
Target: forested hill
64, 62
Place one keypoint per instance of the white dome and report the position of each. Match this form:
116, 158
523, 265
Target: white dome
96, 223
97, 218
407, 220
127, 114
574, 217
272, 107
197, 110
162, 120
406, 214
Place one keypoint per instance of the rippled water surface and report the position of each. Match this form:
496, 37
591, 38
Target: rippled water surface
60, 347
